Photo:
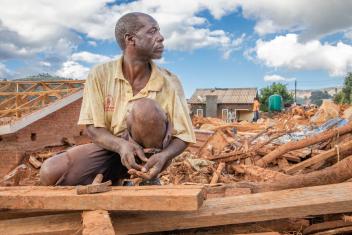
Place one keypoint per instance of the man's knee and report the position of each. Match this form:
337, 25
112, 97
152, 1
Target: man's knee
147, 123
46, 174
148, 110
52, 169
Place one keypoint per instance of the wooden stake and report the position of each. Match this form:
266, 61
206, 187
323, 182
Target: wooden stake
217, 173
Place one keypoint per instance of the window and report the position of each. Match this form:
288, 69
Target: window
199, 112
33, 136
225, 114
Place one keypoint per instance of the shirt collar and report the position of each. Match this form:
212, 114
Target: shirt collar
156, 80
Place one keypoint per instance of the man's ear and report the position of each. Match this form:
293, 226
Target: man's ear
129, 39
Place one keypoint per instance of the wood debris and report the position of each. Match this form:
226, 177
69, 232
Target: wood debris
282, 168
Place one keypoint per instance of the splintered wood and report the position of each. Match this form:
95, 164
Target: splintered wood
290, 167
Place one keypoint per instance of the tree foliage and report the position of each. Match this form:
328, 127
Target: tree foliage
345, 96
317, 97
275, 88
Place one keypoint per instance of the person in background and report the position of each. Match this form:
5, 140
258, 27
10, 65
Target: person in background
256, 107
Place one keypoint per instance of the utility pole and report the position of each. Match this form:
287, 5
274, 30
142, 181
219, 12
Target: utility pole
295, 91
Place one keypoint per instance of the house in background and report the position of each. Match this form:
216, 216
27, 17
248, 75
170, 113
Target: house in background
36, 114
218, 102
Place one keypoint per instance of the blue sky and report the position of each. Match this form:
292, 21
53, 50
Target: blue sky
209, 43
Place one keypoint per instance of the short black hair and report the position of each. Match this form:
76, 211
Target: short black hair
128, 23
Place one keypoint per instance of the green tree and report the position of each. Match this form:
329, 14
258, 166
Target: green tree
317, 97
339, 97
345, 95
347, 89
275, 88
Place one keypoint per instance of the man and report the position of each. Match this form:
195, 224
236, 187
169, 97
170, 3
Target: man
256, 106
129, 105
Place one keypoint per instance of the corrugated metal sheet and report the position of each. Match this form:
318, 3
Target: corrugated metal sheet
225, 95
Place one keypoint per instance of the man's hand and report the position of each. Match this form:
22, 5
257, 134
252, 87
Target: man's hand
127, 152
152, 168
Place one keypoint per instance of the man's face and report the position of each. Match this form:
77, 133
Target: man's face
148, 40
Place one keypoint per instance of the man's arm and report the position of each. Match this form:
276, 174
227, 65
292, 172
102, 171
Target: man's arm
157, 162
127, 150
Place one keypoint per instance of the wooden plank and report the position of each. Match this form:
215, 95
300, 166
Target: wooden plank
6, 214
344, 230
283, 163
33, 93
294, 203
266, 233
35, 162
318, 158
97, 222
293, 145
50, 224
146, 198
47, 82
70, 223
328, 225
291, 158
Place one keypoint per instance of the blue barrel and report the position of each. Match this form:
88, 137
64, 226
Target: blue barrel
275, 103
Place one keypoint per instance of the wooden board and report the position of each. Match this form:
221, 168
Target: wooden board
144, 198
50, 224
318, 158
294, 203
97, 222
71, 224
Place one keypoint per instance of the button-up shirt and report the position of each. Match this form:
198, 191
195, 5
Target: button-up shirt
107, 99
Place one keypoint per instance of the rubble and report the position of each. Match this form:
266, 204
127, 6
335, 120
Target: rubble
301, 149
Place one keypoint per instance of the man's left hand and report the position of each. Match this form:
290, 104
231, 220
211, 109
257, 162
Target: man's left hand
152, 168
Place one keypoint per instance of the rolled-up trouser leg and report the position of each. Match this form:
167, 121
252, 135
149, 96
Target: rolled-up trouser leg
84, 162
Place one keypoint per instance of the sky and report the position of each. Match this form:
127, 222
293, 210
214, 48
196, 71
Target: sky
209, 43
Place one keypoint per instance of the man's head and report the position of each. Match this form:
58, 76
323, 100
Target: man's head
139, 33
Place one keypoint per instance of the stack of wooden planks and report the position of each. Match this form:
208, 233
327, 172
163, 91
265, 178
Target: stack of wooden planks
147, 209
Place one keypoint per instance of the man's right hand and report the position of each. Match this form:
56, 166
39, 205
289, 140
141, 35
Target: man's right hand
128, 151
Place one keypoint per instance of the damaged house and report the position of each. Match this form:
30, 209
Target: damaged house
34, 114
218, 102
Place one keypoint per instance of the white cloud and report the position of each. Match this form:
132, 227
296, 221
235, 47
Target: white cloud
25, 32
348, 34
89, 57
287, 52
4, 72
44, 63
276, 78
315, 18
72, 69
92, 43
181, 26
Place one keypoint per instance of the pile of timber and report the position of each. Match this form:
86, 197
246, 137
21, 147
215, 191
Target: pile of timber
237, 179
145, 209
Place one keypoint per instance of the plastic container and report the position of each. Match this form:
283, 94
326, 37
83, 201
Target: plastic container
275, 103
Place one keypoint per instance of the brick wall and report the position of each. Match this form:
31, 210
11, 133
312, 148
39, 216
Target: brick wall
48, 131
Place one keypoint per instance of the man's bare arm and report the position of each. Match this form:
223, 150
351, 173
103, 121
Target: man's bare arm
156, 163
175, 147
127, 151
